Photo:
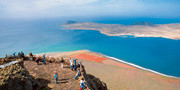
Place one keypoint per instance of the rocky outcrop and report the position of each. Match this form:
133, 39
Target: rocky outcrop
92, 82
6, 60
16, 77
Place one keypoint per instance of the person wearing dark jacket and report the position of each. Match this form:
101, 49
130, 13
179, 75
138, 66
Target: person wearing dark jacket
14, 54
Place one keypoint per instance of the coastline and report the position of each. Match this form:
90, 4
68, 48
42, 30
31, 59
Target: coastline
118, 74
170, 31
54, 54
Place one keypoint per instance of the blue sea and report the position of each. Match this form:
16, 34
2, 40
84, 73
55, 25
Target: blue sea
43, 35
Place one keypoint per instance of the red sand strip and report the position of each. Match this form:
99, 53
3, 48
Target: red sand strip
89, 57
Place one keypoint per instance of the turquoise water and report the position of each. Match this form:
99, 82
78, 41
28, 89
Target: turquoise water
41, 36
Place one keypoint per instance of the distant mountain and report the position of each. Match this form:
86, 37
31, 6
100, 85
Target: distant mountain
143, 23
70, 22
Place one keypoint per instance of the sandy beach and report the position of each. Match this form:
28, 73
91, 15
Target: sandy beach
120, 76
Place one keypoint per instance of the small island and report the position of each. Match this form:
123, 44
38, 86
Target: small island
139, 29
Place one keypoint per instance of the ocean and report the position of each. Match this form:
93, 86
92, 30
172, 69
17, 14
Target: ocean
43, 36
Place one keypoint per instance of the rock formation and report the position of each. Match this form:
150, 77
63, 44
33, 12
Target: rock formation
16, 77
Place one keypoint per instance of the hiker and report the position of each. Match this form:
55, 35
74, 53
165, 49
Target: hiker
19, 55
6, 56
56, 76
78, 73
22, 54
30, 56
75, 67
82, 84
37, 60
14, 54
79, 64
71, 64
62, 62
44, 57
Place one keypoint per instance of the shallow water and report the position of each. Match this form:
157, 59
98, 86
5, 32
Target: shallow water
41, 36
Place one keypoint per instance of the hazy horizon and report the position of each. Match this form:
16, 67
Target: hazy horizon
15, 9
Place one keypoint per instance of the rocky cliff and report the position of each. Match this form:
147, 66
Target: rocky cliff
16, 77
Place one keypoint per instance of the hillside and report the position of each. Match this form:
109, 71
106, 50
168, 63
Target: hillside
17, 76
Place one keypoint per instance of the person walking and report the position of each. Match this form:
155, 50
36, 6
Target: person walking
78, 73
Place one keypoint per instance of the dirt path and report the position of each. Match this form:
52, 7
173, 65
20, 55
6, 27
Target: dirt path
44, 73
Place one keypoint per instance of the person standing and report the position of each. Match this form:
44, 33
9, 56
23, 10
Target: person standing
19, 55
14, 54
71, 64
75, 67
30, 56
22, 54
44, 57
79, 65
82, 84
56, 76
6, 56
62, 62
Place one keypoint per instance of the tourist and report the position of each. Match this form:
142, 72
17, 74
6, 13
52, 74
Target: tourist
56, 76
82, 83
75, 67
78, 73
6, 56
37, 60
62, 62
19, 55
30, 56
79, 64
14, 54
22, 54
44, 57
71, 64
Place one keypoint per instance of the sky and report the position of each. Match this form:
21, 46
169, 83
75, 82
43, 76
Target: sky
61, 8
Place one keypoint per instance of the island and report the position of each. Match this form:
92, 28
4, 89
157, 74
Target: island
139, 29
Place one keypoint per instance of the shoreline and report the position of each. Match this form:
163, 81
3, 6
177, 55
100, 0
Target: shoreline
120, 35
116, 60
170, 31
